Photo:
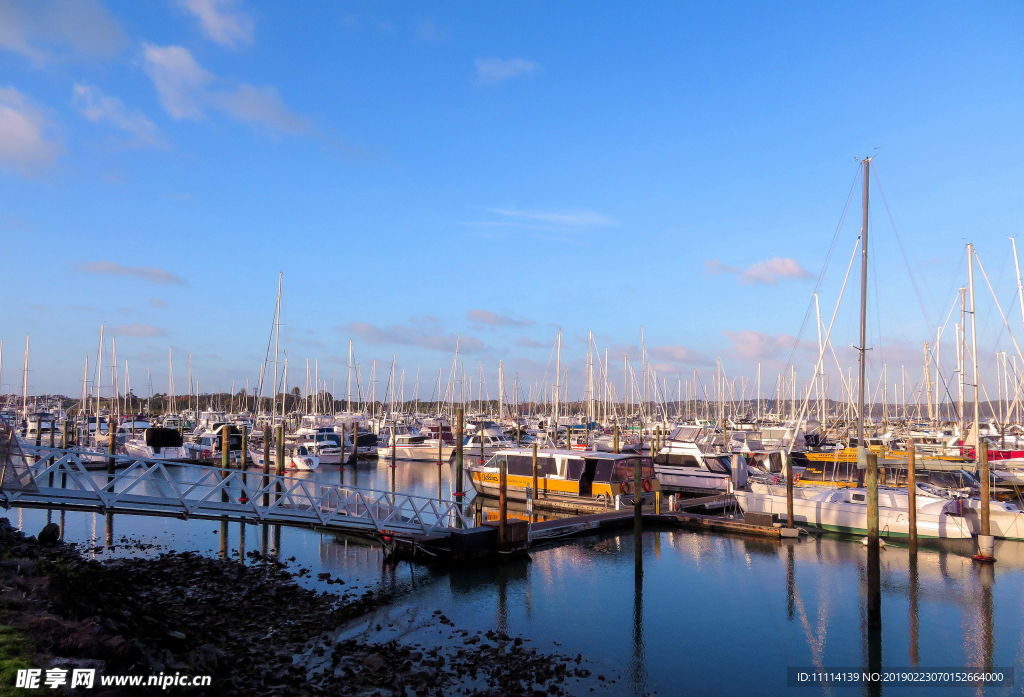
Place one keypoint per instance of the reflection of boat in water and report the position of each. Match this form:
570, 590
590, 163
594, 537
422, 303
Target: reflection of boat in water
846, 510
600, 476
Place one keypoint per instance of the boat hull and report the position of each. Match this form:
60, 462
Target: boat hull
852, 518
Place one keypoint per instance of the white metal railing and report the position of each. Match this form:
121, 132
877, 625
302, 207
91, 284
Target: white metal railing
57, 478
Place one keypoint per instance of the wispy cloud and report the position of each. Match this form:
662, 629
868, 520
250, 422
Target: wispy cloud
222, 21
49, 30
494, 70
140, 330
426, 335
493, 319
569, 222
769, 271
96, 106
157, 302
24, 145
187, 91
431, 32
13, 222
677, 355
527, 342
110, 268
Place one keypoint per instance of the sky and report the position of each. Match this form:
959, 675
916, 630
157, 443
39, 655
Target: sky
489, 174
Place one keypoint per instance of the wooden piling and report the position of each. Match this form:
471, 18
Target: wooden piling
459, 426
912, 496
874, 600
535, 496
267, 436
245, 448
111, 450
225, 465
986, 481
341, 458
355, 444
616, 448
788, 472
502, 500
279, 467
638, 496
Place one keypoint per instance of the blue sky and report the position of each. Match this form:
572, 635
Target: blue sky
420, 171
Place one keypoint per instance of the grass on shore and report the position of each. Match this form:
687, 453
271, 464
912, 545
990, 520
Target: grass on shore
14, 655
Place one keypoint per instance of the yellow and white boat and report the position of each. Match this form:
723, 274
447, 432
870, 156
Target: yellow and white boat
595, 475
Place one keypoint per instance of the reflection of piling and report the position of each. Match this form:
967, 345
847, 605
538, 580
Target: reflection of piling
986, 574
915, 626
109, 529
790, 581
241, 541
912, 499
264, 539
638, 672
277, 541
225, 459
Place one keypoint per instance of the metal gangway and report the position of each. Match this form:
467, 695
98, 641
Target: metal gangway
57, 478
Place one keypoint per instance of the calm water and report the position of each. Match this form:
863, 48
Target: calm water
711, 615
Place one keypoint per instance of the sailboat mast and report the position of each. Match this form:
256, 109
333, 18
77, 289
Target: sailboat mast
976, 428
863, 306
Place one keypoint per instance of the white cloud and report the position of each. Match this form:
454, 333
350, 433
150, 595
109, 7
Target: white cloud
148, 273
181, 83
495, 320
428, 335
221, 21
96, 106
493, 70
769, 271
186, 91
140, 330
677, 355
260, 105
48, 30
527, 342
24, 147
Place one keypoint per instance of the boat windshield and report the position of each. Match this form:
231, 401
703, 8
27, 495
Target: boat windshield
623, 470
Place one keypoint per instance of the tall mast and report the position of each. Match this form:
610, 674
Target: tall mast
277, 343
348, 391
24, 383
862, 361
558, 375
976, 429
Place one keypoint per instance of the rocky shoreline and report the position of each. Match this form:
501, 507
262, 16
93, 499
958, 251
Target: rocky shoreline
251, 626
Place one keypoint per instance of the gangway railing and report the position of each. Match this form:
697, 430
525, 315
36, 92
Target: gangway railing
43, 477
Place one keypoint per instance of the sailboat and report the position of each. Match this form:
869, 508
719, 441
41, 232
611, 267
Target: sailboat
939, 514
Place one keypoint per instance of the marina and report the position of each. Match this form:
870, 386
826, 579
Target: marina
368, 349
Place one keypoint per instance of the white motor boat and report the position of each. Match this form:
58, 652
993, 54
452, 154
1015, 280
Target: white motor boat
157, 444
296, 457
846, 509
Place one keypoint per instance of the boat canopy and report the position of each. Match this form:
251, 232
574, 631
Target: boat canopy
158, 438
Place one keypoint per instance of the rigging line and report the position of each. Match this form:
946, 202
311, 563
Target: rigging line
1002, 314
824, 268
906, 261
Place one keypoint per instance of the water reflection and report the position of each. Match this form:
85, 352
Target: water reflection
693, 598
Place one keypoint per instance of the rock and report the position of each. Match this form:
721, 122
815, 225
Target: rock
49, 535
374, 661
176, 635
